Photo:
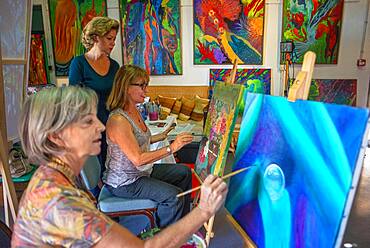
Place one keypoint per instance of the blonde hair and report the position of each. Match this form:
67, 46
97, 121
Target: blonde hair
98, 26
50, 111
125, 76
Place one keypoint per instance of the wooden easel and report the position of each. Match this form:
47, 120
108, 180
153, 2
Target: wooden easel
301, 85
299, 90
208, 226
9, 195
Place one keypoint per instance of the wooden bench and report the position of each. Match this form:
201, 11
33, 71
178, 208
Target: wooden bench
177, 91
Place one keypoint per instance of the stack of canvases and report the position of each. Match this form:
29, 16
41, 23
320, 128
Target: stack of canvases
183, 108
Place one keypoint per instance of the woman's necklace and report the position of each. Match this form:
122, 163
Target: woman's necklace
135, 115
59, 162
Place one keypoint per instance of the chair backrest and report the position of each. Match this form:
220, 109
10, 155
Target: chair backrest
90, 173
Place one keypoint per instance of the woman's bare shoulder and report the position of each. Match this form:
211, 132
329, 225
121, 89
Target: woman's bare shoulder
117, 121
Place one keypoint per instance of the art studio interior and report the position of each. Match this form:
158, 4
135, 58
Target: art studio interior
136, 104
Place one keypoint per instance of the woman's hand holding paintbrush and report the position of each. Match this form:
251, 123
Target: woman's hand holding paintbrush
212, 195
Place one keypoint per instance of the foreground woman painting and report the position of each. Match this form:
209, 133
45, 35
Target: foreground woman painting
59, 129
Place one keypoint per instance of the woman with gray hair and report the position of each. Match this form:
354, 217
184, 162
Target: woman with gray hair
95, 69
59, 129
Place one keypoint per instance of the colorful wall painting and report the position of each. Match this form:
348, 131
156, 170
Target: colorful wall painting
38, 61
151, 35
222, 113
339, 91
304, 155
225, 31
67, 20
313, 26
254, 80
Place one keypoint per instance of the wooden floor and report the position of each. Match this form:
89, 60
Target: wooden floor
358, 226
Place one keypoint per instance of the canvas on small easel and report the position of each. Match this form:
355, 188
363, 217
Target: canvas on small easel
221, 117
308, 157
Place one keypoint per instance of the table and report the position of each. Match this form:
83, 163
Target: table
188, 153
157, 127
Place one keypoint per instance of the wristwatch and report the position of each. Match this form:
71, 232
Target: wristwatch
168, 149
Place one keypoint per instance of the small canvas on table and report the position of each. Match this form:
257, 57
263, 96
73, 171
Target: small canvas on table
221, 117
307, 157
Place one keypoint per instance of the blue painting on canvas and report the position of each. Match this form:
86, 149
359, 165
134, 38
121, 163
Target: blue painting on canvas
304, 154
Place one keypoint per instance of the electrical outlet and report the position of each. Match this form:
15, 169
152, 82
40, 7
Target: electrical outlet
361, 62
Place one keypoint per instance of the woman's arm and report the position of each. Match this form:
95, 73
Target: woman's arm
213, 193
157, 137
163, 135
119, 130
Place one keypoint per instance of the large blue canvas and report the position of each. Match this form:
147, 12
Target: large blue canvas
304, 156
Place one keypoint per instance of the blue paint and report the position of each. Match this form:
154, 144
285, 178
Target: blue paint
299, 202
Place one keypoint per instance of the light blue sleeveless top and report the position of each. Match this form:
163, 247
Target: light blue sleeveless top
120, 170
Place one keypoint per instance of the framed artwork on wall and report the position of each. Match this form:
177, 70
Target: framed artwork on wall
339, 91
38, 60
254, 80
306, 159
225, 31
151, 35
313, 26
67, 20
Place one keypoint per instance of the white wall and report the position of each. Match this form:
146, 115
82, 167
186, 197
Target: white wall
349, 51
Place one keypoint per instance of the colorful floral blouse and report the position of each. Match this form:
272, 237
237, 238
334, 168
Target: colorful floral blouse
54, 211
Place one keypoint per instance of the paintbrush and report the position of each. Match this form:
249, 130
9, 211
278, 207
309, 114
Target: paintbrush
224, 177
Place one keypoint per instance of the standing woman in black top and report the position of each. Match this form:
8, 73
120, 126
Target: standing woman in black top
95, 69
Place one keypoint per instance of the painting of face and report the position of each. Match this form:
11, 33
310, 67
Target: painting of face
305, 158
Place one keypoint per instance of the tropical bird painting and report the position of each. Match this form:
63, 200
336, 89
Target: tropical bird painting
313, 25
228, 30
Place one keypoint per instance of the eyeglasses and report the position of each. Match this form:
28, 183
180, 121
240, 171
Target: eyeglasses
142, 85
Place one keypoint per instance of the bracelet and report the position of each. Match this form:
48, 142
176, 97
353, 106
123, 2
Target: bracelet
168, 149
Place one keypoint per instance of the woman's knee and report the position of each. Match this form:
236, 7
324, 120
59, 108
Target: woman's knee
184, 171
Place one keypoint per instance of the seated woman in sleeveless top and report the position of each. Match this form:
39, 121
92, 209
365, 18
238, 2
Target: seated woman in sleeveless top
129, 169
